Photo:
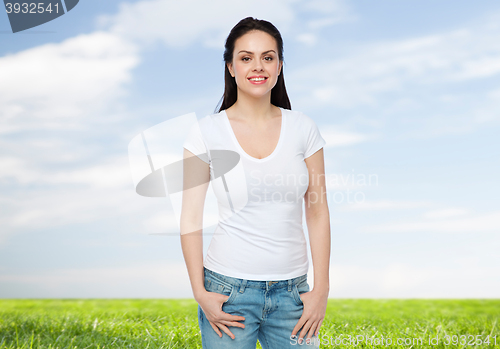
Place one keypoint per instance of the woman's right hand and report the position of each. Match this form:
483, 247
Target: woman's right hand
211, 304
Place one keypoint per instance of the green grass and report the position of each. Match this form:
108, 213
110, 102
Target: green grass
173, 323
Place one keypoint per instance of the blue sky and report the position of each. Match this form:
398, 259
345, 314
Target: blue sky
408, 92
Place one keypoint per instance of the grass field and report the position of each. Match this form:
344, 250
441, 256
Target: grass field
360, 323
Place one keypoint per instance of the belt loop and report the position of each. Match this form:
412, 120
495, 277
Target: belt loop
289, 285
242, 286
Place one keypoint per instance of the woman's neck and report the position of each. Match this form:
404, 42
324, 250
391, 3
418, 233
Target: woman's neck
253, 109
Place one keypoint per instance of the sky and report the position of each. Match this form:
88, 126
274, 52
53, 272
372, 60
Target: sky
406, 95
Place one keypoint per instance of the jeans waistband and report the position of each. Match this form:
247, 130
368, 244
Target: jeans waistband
256, 283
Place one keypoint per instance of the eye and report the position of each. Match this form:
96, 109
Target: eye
268, 58
245, 59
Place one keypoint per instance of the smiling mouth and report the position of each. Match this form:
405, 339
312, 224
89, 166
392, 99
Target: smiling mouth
257, 79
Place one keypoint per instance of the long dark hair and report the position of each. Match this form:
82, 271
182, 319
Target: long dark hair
279, 97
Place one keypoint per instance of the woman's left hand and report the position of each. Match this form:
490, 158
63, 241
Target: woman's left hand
315, 303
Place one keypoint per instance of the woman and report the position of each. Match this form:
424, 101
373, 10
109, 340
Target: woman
254, 276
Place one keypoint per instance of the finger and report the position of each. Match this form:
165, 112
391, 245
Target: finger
232, 323
216, 329
312, 330
319, 326
305, 329
298, 326
226, 330
229, 317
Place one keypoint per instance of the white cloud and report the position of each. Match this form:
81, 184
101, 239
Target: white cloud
350, 181
333, 12
65, 195
494, 95
307, 38
162, 223
336, 137
370, 77
383, 205
54, 85
178, 25
157, 280
63, 89
446, 213
38, 196
40, 209
406, 281
486, 222
114, 173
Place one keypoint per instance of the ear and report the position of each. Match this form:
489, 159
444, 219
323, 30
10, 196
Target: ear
279, 69
230, 68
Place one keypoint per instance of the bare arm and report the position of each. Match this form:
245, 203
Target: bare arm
318, 226
196, 178
195, 171
318, 220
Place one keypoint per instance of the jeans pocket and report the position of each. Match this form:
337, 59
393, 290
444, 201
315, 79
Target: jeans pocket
215, 285
298, 289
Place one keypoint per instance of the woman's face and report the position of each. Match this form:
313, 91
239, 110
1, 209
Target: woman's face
255, 64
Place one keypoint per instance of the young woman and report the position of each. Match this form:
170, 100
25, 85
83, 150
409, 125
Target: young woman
253, 282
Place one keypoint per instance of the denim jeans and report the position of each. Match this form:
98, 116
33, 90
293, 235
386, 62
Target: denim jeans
271, 310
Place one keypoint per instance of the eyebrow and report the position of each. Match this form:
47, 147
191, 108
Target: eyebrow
252, 52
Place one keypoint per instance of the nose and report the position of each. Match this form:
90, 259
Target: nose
258, 65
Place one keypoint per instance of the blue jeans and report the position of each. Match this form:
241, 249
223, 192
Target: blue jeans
271, 310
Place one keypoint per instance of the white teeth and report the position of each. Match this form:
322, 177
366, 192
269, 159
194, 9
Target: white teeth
257, 79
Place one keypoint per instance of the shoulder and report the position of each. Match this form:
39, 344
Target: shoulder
299, 118
210, 121
214, 118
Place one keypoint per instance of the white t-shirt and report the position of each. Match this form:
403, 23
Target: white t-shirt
263, 238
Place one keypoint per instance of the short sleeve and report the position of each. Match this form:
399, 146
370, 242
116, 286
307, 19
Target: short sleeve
314, 140
195, 144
